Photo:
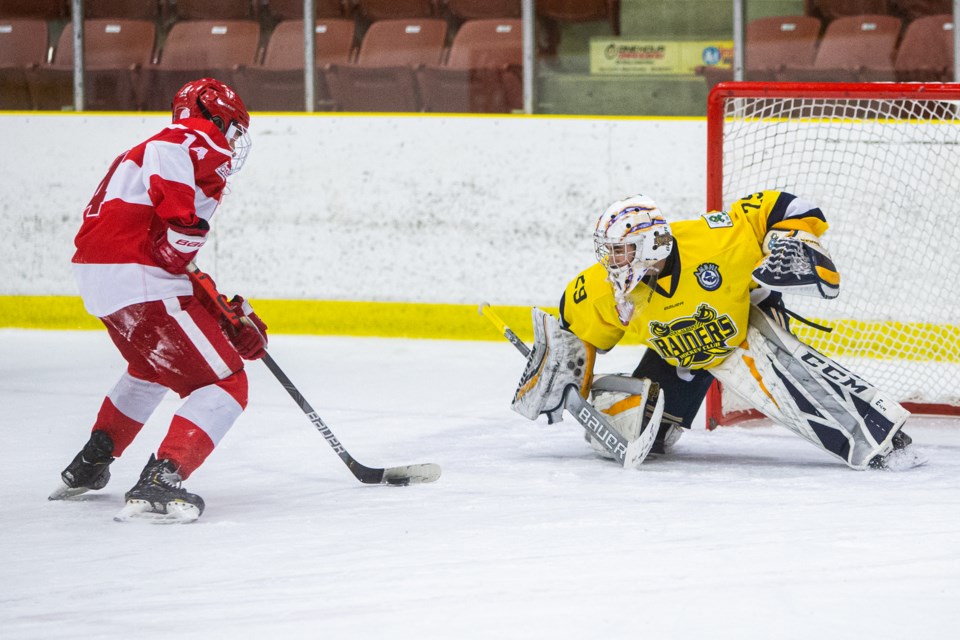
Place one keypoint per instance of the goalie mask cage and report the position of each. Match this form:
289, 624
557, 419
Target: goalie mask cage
883, 163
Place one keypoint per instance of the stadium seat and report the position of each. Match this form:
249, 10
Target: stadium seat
926, 52
396, 9
772, 43
853, 49
553, 13
214, 9
909, 10
483, 72
281, 10
481, 9
23, 43
384, 75
277, 84
115, 52
575, 10
44, 9
829, 10
198, 48
128, 9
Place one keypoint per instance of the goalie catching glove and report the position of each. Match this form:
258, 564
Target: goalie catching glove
558, 359
795, 262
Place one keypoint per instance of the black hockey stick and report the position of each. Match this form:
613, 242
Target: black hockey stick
403, 475
629, 454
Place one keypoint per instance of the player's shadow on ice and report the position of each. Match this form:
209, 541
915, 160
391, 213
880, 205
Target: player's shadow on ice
705, 461
733, 459
93, 497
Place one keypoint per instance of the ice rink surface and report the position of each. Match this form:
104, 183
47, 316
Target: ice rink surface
744, 532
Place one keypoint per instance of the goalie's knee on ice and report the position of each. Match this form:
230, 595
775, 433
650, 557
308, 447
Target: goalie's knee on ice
634, 407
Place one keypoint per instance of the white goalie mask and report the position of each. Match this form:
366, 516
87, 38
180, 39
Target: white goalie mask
630, 239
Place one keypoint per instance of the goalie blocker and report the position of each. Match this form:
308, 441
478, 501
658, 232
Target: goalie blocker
559, 373
813, 396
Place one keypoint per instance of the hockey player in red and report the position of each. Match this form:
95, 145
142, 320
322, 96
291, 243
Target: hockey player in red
145, 223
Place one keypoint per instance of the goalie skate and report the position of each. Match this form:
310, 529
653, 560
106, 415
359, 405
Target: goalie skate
902, 457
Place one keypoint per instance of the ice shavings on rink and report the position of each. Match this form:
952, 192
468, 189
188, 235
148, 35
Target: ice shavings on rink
745, 532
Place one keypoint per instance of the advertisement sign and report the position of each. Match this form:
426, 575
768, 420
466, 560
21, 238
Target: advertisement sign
619, 56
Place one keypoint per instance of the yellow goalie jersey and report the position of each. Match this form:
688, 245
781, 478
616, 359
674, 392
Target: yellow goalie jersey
697, 311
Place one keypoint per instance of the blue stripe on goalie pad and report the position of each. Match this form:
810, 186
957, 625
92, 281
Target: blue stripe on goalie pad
878, 425
833, 440
801, 400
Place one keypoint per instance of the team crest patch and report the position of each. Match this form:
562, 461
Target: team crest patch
708, 275
693, 341
717, 219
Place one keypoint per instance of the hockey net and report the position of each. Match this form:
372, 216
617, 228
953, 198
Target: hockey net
883, 163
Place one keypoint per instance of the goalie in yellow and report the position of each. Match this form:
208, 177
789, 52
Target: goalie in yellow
705, 297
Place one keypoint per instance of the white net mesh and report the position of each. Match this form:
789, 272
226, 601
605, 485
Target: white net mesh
886, 174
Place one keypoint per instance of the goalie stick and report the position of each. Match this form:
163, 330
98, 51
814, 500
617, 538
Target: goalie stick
629, 454
402, 475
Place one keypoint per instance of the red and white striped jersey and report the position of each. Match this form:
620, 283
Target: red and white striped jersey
177, 176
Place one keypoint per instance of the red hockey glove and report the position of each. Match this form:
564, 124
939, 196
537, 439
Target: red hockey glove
250, 340
175, 247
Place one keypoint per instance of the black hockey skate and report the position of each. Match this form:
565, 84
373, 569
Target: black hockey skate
158, 496
900, 457
90, 469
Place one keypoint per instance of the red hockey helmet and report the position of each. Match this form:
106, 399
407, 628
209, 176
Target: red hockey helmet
214, 101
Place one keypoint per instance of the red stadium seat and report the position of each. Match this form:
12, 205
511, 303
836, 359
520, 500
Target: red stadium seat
277, 84
926, 52
215, 9
195, 49
282, 10
23, 44
553, 13
115, 52
481, 9
483, 72
43, 9
383, 78
909, 10
128, 9
853, 49
575, 10
396, 9
830, 10
772, 43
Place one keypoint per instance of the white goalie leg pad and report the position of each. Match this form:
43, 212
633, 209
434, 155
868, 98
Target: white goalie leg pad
634, 407
810, 394
558, 359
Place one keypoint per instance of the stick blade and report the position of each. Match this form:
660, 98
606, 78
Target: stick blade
411, 474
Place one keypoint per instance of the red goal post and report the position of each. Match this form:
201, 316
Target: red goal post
883, 162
